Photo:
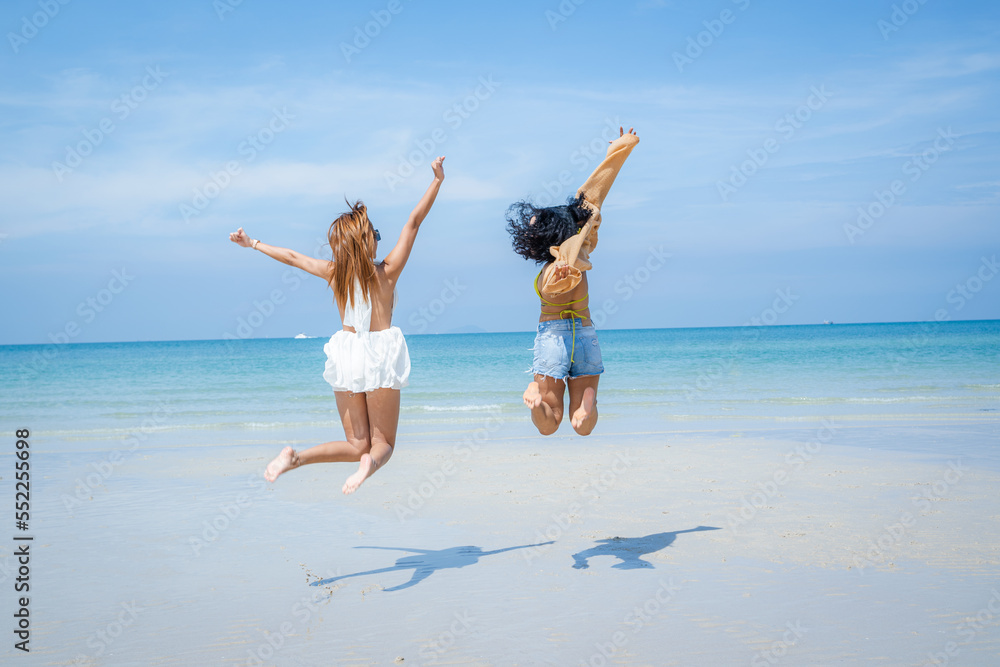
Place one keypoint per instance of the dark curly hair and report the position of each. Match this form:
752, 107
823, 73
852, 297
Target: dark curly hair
552, 226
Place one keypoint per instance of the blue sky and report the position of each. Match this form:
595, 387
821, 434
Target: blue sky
757, 152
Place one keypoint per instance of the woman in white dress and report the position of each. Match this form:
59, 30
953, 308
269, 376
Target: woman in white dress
367, 362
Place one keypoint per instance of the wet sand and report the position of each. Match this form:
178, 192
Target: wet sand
669, 546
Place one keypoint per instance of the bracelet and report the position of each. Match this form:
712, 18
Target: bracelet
254, 243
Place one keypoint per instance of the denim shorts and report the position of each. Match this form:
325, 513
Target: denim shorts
554, 346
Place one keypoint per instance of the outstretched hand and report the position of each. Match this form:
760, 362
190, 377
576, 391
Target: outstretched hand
438, 168
239, 237
621, 131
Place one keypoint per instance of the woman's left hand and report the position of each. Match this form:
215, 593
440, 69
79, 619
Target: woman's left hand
621, 131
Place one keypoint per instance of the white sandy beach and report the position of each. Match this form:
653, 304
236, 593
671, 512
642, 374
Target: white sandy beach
675, 546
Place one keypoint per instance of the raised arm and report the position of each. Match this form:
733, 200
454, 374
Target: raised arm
321, 268
596, 187
396, 259
572, 257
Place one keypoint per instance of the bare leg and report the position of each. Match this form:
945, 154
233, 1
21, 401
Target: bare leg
583, 403
354, 416
545, 398
383, 419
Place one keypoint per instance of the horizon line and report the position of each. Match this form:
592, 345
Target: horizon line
479, 333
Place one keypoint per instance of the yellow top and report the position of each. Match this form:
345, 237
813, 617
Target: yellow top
575, 251
571, 313
565, 311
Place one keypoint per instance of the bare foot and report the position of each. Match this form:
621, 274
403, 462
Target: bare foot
365, 469
283, 462
532, 397
586, 407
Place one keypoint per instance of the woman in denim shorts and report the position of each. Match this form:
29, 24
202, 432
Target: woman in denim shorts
566, 348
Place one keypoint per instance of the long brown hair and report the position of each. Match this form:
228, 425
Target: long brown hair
352, 240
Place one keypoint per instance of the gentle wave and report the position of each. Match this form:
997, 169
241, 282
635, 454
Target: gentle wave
142, 432
198, 390
860, 399
456, 408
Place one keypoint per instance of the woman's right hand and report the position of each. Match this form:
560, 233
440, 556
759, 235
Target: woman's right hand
438, 168
239, 237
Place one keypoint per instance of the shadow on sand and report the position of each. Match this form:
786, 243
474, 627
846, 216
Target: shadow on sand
629, 549
427, 562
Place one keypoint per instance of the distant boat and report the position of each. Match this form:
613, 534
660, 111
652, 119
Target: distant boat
827, 322
302, 336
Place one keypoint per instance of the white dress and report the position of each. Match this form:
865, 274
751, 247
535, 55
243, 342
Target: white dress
366, 360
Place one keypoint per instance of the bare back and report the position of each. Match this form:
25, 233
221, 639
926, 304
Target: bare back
381, 299
565, 300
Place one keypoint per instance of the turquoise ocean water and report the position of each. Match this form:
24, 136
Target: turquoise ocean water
96, 396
